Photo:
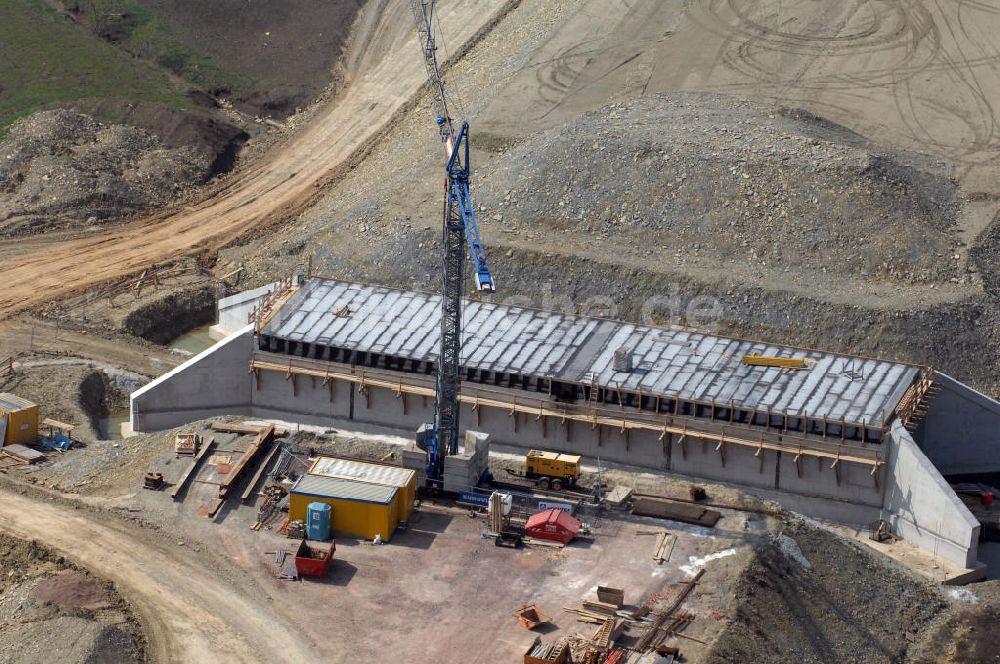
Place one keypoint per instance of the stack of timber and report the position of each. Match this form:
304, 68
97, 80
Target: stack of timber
600, 607
661, 553
186, 444
153, 481
547, 653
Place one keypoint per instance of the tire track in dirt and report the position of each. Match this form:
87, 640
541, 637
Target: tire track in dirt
190, 615
894, 51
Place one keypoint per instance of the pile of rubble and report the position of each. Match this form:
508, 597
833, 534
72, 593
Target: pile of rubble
721, 180
59, 167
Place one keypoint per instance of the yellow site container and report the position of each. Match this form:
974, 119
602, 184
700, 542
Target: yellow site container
22, 419
403, 479
362, 509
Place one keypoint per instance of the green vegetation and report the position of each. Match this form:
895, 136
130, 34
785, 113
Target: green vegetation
46, 59
139, 31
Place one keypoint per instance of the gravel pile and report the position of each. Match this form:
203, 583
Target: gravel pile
727, 180
830, 602
59, 167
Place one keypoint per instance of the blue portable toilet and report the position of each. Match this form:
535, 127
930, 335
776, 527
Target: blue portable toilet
318, 516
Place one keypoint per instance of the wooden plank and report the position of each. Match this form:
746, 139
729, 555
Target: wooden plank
600, 607
194, 464
49, 422
540, 542
23, 453
260, 471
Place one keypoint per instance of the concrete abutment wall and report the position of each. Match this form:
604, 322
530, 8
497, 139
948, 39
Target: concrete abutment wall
922, 508
961, 431
910, 494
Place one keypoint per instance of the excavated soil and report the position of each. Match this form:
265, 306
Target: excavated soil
173, 314
814, 598
60, 169
208, 133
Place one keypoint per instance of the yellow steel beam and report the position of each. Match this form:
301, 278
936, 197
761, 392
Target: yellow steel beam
781, 362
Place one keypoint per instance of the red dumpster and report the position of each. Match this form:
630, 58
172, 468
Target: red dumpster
314, 561
553, 524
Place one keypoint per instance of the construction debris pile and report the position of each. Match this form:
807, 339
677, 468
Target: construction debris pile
59, 167
622, 634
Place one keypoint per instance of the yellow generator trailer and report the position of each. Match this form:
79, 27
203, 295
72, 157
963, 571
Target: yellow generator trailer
552, 469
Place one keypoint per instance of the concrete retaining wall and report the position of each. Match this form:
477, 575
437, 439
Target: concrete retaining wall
213, 382
233, 312
923, 509
961, 431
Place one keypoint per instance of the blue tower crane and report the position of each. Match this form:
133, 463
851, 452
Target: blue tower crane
459, 229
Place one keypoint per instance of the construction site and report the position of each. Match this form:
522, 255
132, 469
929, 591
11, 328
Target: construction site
596, 332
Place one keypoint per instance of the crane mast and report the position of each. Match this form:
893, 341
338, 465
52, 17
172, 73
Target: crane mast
459, 229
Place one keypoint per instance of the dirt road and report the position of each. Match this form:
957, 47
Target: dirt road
385, 72
190, 614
